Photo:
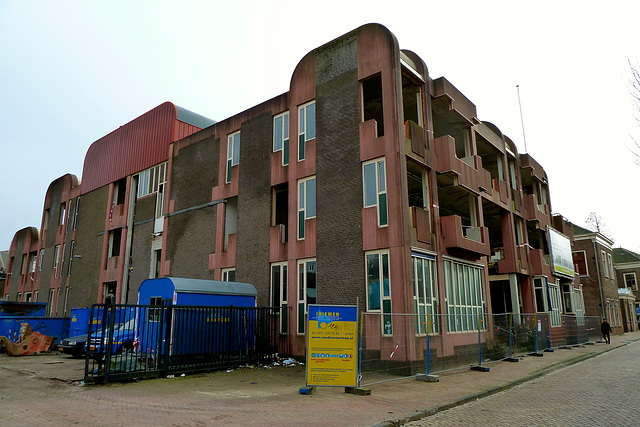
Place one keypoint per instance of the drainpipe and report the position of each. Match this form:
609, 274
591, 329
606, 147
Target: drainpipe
599, 281
133, 190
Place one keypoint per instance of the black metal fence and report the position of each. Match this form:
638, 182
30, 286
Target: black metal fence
138, 341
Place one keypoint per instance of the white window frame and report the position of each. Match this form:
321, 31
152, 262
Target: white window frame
381, 295
605, 268
233, 153
52, 297
556, 304
226, 272
304, 212
306, 132
370, 168
464, 296
635, 281
40, 259
539, 284
281, 287
612, 273
151, 180
425, 292
303, 291
281, 136
56, 256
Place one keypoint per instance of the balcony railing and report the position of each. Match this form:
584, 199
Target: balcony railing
469, 171
417, 138
421, 222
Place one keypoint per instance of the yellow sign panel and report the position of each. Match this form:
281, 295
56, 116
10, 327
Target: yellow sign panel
332, 346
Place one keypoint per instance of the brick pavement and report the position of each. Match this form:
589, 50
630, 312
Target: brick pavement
38, 390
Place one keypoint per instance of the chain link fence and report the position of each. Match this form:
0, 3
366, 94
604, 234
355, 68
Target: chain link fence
395, 346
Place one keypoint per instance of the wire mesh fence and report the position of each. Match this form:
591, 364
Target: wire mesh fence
395, 346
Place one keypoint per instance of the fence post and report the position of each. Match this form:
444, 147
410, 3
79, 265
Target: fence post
109, 309
479, 366
428, 344
359, 374
166, 323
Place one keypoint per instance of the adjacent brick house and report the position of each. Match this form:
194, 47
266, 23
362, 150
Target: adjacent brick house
627, 266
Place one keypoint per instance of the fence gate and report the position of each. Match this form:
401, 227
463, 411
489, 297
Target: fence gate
138, 341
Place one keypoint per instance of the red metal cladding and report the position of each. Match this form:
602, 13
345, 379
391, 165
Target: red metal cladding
136, 146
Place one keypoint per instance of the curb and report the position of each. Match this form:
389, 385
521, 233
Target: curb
485, 393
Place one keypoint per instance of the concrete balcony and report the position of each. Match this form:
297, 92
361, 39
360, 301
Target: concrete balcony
416, 140
540, 264
518, 263
468, 173
277, 243
535, 212
470, 239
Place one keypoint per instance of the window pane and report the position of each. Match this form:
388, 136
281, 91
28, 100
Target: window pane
277, 135
236, 149
301, 195
301, 116
286, 126
385, 275
383, 209
373, 282
311, 198
311, 121
370, 191
381, 178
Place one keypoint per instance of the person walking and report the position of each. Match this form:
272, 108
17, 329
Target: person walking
606, 330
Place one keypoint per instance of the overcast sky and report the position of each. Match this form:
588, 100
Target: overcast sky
73, 71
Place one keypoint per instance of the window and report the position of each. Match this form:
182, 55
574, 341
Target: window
630, 280
230, 220
540, 290
56, 257
51, 302
612, 273
152, 179
115, 236
281, 136
75, 215
379, 287
567, 298
73, 243
464, 296
578, 304
306, 290
33, 261
19, 298
580, 263
228, 274
306, 203
64, 249
23, 266
280, 209
156, 262
425, 292
27, 297
375, 188
119, 192
306, 127
605, 269
66, 300
372, 102
63, 213
41, 259
556, 304
154, 313
233, 153
279, 292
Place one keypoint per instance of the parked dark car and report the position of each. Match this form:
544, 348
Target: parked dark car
123, 339
73, 346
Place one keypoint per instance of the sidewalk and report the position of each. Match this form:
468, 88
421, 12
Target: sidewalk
264, 396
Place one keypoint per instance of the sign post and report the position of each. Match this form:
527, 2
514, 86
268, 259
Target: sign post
332, 347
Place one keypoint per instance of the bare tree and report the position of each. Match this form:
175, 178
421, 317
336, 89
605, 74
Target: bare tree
634, 91
595, 223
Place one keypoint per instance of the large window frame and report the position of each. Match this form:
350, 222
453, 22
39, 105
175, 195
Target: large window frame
540, 292
56, 260
307, 290
375, 188
630, 281
306, 127
425, 292
306, 203
464, 296
281, 136
279, 290
378, 282
555, 299
229, 274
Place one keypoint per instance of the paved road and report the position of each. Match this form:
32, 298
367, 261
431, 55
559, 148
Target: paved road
602, 391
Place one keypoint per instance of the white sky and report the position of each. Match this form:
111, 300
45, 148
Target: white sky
73, 71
